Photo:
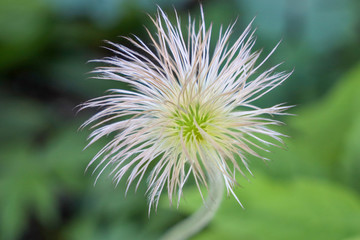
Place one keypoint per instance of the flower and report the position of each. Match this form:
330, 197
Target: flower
189, 110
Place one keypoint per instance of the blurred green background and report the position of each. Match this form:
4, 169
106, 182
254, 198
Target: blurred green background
310, 190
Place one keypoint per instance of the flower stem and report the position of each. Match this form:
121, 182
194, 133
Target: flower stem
196, 222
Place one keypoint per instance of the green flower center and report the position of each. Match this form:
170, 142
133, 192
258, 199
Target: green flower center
189, 119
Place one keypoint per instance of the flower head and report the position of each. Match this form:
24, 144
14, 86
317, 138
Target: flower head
189, 110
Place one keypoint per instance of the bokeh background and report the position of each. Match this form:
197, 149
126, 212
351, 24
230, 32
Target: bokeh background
310, 189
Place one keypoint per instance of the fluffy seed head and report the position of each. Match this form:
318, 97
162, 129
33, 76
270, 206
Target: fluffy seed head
189, 109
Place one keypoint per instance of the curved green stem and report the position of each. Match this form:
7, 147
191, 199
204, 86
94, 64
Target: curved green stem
203, 216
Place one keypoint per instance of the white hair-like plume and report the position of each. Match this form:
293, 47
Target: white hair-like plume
189, 112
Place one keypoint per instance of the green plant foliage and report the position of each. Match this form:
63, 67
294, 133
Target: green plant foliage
33, 178
26, 188
23, 119
327, 123
298, 209
350, 164
105, 213
22, 24
323, 140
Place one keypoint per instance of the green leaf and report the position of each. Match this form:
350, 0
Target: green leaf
303, 208
326, 123
351, 155
323, 139
32, 178
26, 183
